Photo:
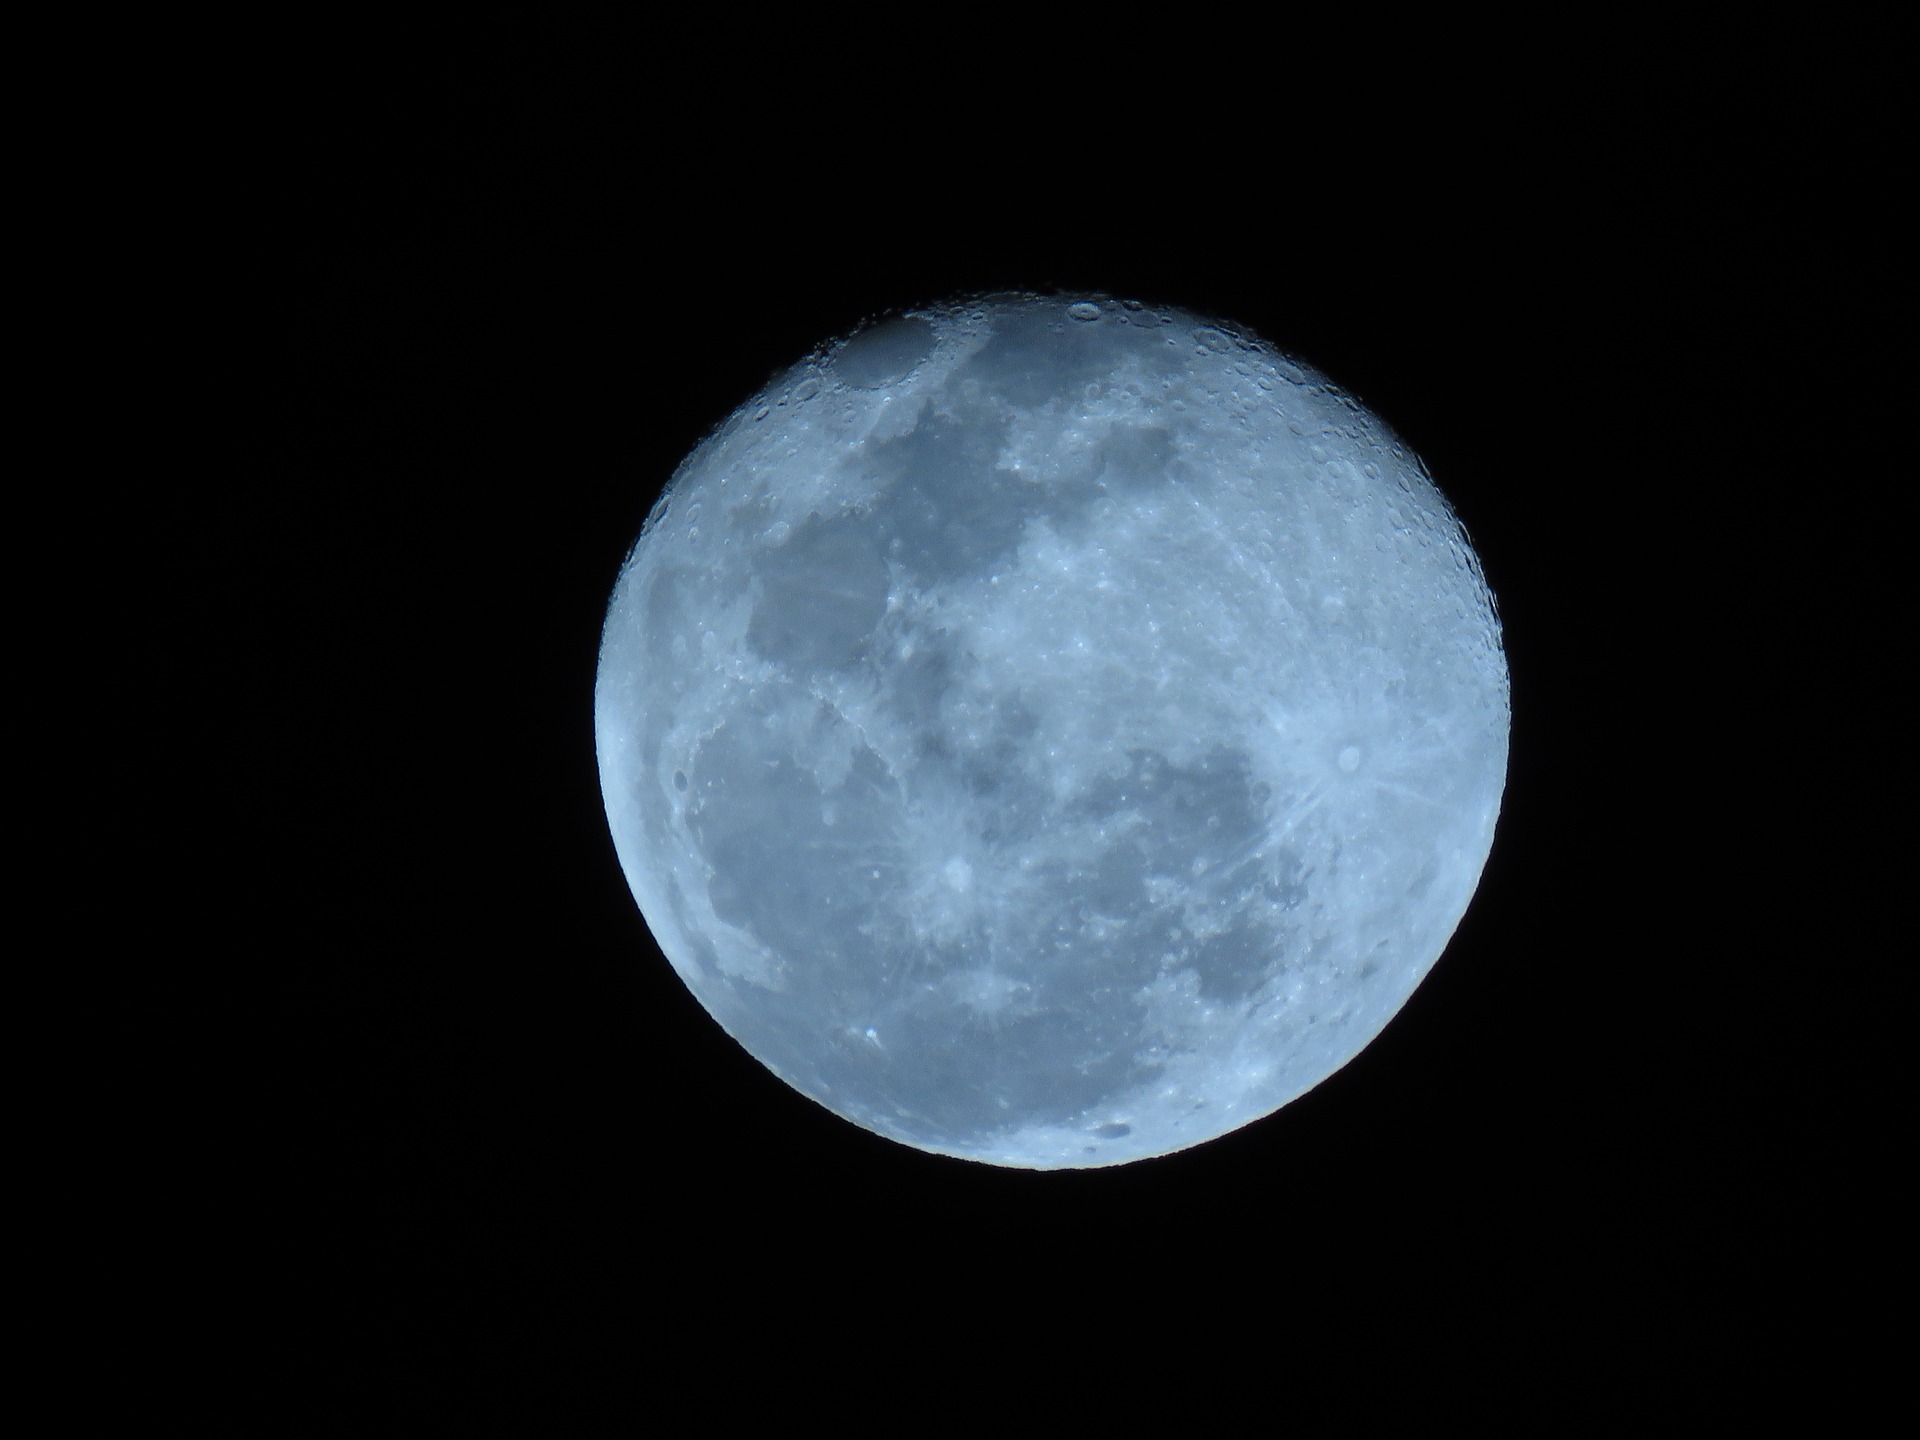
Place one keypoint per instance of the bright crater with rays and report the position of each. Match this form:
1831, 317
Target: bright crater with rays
1052, 731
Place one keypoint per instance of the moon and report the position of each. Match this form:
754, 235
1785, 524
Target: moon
1052, 731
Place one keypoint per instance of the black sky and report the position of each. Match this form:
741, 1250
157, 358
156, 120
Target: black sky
511, 1153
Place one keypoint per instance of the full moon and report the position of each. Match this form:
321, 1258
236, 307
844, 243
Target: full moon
1052, 730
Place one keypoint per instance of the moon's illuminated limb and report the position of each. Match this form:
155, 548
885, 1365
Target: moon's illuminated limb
1052, 731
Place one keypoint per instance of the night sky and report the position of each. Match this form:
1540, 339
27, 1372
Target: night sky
511, 1157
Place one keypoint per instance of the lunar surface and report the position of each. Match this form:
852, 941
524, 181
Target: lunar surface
1052, 731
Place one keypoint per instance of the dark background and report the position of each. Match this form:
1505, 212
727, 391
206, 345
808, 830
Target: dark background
505, 286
